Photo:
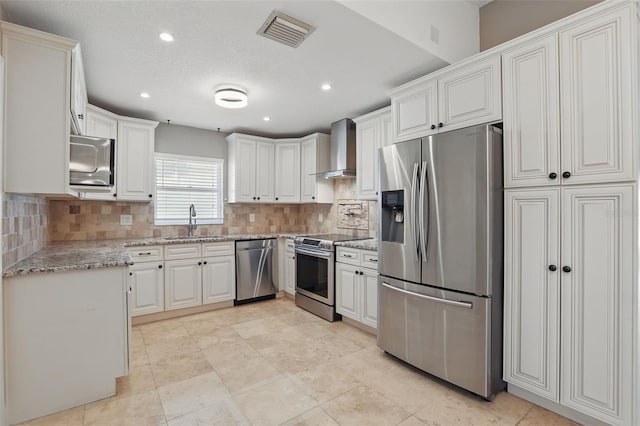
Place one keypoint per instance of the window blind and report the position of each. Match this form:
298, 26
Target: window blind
182, 181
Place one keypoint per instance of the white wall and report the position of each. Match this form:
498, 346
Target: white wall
456, 22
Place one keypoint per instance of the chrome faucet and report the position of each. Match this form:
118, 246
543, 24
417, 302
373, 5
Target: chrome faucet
192, 220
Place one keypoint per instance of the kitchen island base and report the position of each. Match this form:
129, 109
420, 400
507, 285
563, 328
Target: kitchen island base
67, 339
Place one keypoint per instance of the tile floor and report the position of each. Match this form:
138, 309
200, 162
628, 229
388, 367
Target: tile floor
271, 363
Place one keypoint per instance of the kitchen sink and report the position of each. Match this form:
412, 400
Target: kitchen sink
208, 238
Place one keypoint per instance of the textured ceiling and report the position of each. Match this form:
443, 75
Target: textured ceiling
215, 44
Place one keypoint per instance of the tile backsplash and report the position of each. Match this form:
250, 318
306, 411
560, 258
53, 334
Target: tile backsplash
24, 227
97, 220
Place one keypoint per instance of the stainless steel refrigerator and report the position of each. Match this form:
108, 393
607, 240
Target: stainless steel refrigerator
440, 256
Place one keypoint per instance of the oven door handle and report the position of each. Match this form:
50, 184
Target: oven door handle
322, 254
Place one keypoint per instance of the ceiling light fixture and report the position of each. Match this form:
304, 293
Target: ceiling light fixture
326, 86
145, 95
231, 98
267, 119
166, 37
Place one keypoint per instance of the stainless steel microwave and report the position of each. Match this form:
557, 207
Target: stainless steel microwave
92, 163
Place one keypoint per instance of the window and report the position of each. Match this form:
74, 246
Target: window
181, 181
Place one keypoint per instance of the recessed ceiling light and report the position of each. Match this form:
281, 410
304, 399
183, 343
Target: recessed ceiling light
166, 37
326, 86
145, 95
266, 119
231, 98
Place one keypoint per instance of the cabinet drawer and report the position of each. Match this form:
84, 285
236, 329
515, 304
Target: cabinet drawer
370, 259
348, 255
218, 249
145, 253
182, 251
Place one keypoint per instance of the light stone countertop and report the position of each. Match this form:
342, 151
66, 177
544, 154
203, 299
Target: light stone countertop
79, 255
370, 244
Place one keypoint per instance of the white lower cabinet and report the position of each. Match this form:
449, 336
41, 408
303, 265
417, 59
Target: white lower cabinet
289, 267
183, 283
192, 280
357, 285
569, 297
146, 281
218, 279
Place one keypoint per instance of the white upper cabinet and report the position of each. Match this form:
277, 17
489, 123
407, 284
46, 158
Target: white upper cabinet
459, 96
314, 152
78, 94
251, 162
597, 333
470, 95
531, 114
532, 290
37, 105
597, 102
287, 172
373, 131
134, 171
415, 111
242, 157
265, 179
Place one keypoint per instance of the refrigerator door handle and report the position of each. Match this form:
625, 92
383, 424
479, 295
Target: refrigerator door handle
424, 230
416, 218
467, 305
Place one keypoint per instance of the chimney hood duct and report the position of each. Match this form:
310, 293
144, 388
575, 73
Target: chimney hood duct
343, 150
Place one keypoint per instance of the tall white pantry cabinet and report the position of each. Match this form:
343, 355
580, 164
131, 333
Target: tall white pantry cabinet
571, 150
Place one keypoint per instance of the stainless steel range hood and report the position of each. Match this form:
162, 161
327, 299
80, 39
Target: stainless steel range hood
343, 150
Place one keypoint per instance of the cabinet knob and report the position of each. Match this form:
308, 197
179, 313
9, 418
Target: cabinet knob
254, 198
81, 116
150, 195
433, 127
115, 195
159, 266
553, 268
566, 175
276, 198
205, 262
440, 125
566, 268
313, 197
130, 273
553, 175
361, 273
199, 263
258, 198
355, 272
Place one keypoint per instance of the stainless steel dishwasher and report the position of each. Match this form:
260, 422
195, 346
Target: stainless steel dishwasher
255, 270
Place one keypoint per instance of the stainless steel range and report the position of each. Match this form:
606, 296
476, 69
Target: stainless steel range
315, 273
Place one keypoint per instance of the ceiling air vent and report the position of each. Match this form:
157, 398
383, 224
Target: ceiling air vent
285, 29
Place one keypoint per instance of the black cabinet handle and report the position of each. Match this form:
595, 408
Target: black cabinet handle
130, 273
376, 192
553, 268
199, 263
159, 266
433, 127
566, 268
258, 198
440, 125
150, 195
313, 197
355, 272
553, 175
361, 273
81, 116
566, 175
276, 198
205, 262
115, 195
254, 198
